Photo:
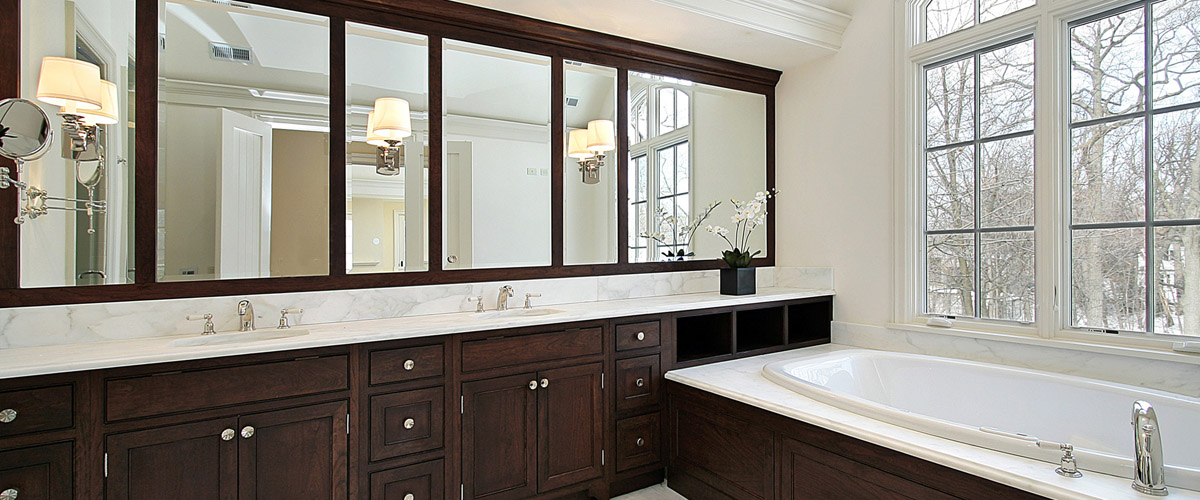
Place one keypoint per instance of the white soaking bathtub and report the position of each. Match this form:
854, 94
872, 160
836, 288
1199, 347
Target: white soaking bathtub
1001, 408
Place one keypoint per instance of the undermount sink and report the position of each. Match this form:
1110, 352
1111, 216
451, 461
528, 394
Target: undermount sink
516, 313
237, 337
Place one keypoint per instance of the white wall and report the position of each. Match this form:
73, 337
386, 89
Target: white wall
729, 157
834, 137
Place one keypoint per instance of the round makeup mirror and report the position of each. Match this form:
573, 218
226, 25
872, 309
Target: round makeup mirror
25, 130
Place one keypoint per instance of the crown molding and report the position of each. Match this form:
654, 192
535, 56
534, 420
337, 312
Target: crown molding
792, 19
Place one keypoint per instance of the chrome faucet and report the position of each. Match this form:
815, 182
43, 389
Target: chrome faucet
506, 291
245, 312
1148, 474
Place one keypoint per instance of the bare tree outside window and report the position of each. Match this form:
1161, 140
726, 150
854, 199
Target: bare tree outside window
979, 183
943, 17
1135, 169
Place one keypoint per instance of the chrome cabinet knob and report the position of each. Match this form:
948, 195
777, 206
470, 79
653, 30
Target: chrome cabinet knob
532, 385
247, 432
640, 382
410, 496
409, 365
641, 442
9, 494
227, 435
545, 382
452, 259
409, 423
641, 336
8, 415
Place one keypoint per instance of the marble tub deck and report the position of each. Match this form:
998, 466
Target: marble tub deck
742, 380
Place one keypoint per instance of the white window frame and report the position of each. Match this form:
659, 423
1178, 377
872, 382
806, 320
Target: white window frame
1047, 22
650, 147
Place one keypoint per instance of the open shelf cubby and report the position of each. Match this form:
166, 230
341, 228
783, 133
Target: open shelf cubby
703, 336
809, 322
759, 328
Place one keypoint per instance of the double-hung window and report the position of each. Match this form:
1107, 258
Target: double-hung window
659, 169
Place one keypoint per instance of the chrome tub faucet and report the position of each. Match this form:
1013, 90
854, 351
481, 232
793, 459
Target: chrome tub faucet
1148, 474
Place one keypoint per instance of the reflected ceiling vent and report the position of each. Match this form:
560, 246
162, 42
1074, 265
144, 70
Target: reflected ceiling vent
231, 3
223, 52
572, 102
572, 63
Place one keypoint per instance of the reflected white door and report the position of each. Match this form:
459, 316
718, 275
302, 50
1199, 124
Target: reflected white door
244, 207
398, 240
458, 205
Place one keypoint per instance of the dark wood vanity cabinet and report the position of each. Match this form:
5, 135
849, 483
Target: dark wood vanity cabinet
39, 472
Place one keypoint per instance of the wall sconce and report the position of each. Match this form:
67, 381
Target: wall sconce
85, 103
589, 145
387, 126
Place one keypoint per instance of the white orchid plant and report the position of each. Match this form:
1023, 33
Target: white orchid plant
747, 216
681, 235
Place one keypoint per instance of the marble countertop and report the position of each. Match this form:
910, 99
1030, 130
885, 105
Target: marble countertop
30, 361
742, 380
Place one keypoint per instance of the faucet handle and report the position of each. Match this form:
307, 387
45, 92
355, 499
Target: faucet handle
283, 321
208, 324
528, 302
478, 300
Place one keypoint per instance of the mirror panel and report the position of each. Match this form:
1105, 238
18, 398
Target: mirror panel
61, 244
589, 209
243, 160
496, 163
690, 145
387, 203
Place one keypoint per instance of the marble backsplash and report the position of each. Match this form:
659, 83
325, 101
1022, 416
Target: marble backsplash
1180, 378
83, 323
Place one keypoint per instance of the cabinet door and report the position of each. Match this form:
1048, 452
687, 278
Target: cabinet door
41, 473
179, 462
570, 416
294, 453
499, 429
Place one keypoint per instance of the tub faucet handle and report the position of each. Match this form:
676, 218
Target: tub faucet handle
1066, 465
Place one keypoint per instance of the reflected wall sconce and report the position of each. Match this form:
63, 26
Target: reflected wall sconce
589, 145
85, 103
387, 126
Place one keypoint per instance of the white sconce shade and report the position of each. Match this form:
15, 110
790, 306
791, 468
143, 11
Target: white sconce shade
107, 114
69, 83
392, 118
601, 136
577, 144
373, 138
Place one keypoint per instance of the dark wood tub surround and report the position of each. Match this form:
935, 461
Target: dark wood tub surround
439, 20
573, 410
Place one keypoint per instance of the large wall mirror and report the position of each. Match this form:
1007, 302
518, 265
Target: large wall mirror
590, 169
77, 62
243, 160
497, 154
691, 145
387, 150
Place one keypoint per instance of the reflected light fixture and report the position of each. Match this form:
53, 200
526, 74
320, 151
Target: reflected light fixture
387, 126
589, 146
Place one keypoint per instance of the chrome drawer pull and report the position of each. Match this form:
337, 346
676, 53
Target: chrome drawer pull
227, 435
641, 442
532, 385
640, 382
9, 494
641, 336
6, 416
409, 496
409, 423
409, 365
545, 382
247, 432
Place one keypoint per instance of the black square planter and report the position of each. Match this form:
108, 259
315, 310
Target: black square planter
739, 281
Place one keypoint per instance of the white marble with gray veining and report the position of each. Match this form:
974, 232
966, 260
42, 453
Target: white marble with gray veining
41, 360
1177, 377
85, 323
742, 380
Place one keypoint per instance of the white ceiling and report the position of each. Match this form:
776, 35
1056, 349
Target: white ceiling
779, 34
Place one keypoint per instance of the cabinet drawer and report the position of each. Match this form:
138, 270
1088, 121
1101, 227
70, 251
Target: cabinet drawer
637, 442
637, 382
409, 363
36, 410
406, 422
638, 335
423, 481
523, 349
176, 392
42, 472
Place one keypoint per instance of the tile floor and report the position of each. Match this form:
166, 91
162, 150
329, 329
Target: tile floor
657, 492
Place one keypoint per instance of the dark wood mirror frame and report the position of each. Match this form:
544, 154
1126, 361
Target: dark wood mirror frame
438, 19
